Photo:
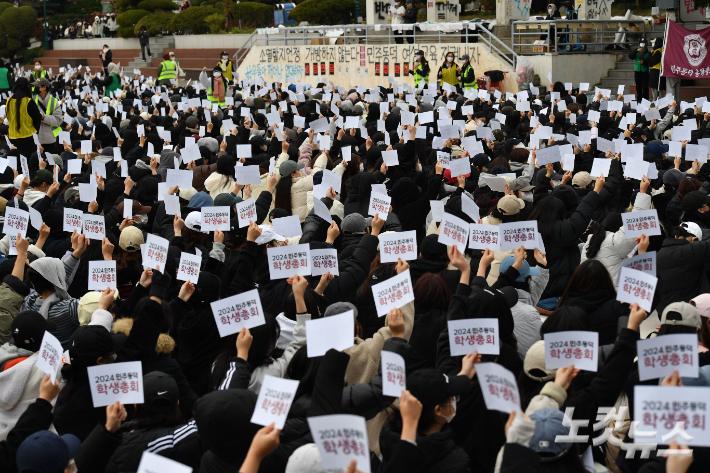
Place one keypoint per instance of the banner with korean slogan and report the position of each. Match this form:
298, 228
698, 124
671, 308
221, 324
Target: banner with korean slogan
235, 312
659, 409
72, 220
94, 226
380, 205
660, 356
499, 388
636, 286
50, 355
641, 222
645, 262
484, 236
572, 347
394, 373
453, 231
516, 234
394, 246
214, 218
324, 260
341, 438
102, 274
189, 267
16, 221
393, 293
287, 261
155, 253
274, 401
246, 212
116, 382
469, 335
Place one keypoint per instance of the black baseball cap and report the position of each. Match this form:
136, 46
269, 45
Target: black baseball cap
28, 328
432, 388
89, 343
694, 200
160, 390
432, 250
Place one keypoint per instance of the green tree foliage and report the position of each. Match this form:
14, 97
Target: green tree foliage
215, 22
127, 22
155, 22
18, 26
155, 5
4, 6
192, 18
253, 14
323, 12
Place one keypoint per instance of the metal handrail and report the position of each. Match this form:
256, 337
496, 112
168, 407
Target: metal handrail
363, 34
518, 34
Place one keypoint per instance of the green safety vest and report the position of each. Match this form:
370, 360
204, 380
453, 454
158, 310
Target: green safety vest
4, 78
51, 107
168, 70
216, 99
468, 85
418, 77
114, 85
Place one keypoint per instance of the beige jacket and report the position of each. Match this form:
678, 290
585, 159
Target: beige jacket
498, 255
215, 185
300, 188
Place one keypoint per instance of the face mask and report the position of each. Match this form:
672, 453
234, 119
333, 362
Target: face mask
449, 59
451, 417
549, 10
38, 67
642, 45
217, 74
224, 58
416, 57
105, 49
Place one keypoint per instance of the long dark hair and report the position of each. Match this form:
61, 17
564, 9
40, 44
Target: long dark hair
612, 223
303, 369
225, 167
565, 319
283, 194
548, 212
19, 92
589, 276
431, 292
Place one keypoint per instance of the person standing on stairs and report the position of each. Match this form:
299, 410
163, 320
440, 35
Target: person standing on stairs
166, 71
655, 82
227, 66
641, 58
144, 39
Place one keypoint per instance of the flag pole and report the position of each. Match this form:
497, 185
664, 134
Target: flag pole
663, 53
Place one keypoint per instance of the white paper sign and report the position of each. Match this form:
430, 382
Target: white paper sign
394, 246
484, 236
658, 408
242, 310
287, 226
336, 331
636, 286
189, 267
94, 226
573, 347
247, 175
72, 220
178, 177
516, 234
394, 374
50, 355
469, 335
156, 252
460, 167
324, 260
645, 262
658, 357
102, 274
393, 293
499, 388
336, 435
246, 212
16, 221
274, 401
154, 463
116, 382
379, 204
453, 231
641, 222
286, 261
214, 218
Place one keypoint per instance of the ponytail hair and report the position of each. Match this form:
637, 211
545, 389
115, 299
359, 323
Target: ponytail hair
611, 223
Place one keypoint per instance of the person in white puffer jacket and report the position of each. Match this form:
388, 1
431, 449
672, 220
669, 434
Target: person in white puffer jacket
609, 243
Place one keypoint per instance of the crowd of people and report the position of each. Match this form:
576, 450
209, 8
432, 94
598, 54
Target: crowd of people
107, 144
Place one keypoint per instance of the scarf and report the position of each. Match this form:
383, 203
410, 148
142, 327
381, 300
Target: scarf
218, 88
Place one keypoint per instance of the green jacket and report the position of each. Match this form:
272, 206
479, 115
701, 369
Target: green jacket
12, 295
637, 56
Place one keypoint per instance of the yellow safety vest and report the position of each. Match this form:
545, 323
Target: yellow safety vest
27, 128
466, 85
448, 75
168, 70
657, 66
227, 73
418, 77
51, 106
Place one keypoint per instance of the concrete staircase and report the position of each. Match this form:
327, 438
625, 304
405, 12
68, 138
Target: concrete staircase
157, 45
623, 73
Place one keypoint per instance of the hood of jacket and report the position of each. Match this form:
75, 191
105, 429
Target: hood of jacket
9, 352
13, 381
164, 346
590, 301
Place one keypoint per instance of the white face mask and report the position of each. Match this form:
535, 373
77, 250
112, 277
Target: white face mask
642, 45
451, 417
105, 49
449, 59
224, 58
217, 74
38, 67
416, 57
549, 10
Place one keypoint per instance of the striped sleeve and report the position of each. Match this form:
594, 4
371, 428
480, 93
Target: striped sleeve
171, 441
